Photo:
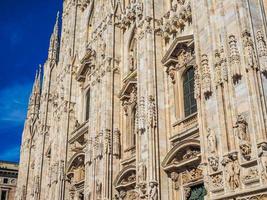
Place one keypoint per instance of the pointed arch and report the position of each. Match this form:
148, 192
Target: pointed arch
181, 155
126, 178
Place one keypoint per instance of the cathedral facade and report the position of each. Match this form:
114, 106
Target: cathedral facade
150, 99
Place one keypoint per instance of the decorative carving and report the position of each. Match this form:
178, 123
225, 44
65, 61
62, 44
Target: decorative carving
78, 170
107, 144
142, 190
232, 171
175, 178
191, 175
175, 20
89, 151
36, 187
142, 172
133, 13
82, 4
55, 172
98, 190
218, 68
214, 163
250, 57
153, 192
206, 79
116, 143
141, 115
131, 178
98, 146
212, 141
241, 126
262, 51
197, 84
152, 113
234, 59
122, 194
190, 153
216, 181
187, 192
252, 175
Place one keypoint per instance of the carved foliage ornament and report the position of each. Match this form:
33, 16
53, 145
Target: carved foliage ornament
206, 78
133, 13
241, 127
234, 59
262, 51
175, 20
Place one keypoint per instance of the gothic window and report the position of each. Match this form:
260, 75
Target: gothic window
190, 105
87, 104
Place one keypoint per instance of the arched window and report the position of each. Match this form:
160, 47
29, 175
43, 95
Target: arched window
87, 105
190, 105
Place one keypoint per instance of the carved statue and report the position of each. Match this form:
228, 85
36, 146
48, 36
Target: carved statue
153, 193
232, 172
214, 163
241, 126
212, 141
206, 75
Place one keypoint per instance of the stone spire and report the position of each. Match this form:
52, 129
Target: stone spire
54, 42
34, 102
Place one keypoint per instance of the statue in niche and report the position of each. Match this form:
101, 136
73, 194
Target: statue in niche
241, 126
232, 171
212, 141
153, 193
79, 170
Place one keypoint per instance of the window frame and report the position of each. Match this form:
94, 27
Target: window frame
192, 107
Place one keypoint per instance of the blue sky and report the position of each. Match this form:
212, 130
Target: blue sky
25, 28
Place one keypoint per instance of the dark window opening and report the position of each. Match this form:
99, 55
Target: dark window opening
197, 192
5, 180
190, 104
87, 106
133, 126
3, 195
